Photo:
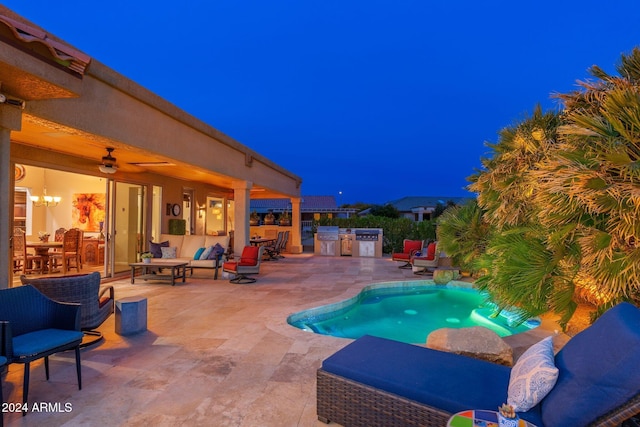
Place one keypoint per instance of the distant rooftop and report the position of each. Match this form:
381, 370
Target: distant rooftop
406, 204
307, 204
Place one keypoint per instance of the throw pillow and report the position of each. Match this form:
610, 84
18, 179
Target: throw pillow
217, 251
206, 252
155, 248
533, 376
170, 252
198, 253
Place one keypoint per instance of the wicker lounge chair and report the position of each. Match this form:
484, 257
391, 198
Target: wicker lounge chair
97, 303
34, 327
409, 248
379, 382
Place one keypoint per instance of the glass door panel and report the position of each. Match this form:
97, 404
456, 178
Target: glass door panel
127, 226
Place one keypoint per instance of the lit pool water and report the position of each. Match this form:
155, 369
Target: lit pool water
407, 312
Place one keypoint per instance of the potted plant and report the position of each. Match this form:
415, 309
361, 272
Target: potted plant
254, 218
285, 219
507, 416
146, 257
43, 236
269, 219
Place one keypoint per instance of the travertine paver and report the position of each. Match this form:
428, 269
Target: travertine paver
215, 353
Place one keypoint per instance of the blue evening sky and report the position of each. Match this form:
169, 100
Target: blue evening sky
377, 99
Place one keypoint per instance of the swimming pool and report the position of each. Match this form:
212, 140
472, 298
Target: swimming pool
408, 312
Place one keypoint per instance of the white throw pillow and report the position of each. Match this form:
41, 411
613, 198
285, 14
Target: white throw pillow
533, 376
169, 252
206, 252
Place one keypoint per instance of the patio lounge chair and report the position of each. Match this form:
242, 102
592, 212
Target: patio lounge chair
379, 382
34, 327
96, 303
248, 264
274, 250
430, 260
409, 248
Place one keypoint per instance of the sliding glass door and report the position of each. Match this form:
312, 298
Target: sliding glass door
127, 225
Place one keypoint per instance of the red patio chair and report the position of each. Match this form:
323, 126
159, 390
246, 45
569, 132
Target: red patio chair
409, 248
249, 263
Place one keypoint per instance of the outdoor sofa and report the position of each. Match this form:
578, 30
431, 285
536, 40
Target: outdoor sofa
379, 382
189, 248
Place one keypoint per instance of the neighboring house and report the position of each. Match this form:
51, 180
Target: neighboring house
421, 208
311, 207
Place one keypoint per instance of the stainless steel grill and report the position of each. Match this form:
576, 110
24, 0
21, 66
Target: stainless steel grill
367, 235
327, 232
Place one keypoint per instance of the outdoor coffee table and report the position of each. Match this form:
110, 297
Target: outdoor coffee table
151, 271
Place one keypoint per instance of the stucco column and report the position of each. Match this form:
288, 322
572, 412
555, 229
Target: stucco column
296, 226
10, 119
242, 199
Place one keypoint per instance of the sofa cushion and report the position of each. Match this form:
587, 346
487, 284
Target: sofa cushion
202, 263
190, 244
212, 240
598, 369
447, 381
533, 376
35, 342
177, 241
156, 248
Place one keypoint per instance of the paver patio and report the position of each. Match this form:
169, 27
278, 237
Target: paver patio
215, 353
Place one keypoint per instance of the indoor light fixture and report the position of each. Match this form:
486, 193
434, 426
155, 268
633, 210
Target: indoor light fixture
46, 200
108, 162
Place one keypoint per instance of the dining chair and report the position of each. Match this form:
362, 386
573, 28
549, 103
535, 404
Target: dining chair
70, 255
58, 236
22, 259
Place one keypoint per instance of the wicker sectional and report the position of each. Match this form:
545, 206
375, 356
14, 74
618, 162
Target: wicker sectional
378, 382
350, 403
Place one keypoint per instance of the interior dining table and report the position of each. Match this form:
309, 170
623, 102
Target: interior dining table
42, 249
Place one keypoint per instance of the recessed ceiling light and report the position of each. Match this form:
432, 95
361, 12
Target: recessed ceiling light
151, 164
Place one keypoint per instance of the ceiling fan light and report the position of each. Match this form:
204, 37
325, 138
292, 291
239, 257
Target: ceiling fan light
108, 162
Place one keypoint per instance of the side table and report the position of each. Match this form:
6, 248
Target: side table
479, 418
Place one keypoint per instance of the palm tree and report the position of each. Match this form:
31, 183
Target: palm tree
590, 186
463, 234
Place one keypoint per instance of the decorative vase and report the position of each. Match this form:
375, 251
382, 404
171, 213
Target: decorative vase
508, 422
146, 260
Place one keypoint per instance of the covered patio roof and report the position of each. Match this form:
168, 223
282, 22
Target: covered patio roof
74, 106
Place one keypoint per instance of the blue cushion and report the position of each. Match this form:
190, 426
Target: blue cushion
198, 253
156, 248
441, 380
217, 251
36, 342
598, 370
206, 252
